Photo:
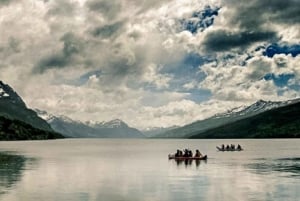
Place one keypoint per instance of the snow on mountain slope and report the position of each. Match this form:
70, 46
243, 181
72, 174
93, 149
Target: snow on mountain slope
93, 129
116, 123
257, 107
3, 93
14, 108
8, 94
221, 119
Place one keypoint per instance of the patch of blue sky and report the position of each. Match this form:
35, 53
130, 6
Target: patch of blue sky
282, 81
275, 48
185, 72
199, 20
198, 95
295, 87
189, 65
279, 80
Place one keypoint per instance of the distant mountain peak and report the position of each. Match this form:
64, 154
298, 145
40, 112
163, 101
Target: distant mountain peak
115, 123
113, 129
50, 117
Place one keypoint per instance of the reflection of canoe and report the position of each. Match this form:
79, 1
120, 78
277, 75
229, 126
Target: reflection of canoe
187, 158
230, 149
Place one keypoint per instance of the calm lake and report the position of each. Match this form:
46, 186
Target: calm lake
139, 170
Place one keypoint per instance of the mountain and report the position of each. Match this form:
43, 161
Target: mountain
154, 131
282, 122
112, 129
224, 118
67, 126
11, 129
116, 123
17, 122
258, 107
13, 107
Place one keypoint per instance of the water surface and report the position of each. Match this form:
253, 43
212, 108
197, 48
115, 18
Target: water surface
138, 170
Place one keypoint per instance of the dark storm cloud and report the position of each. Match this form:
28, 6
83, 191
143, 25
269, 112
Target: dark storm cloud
257, 13
254, 21
223, 40
53, 61
108, 8
72, 45
108, 31
280, 11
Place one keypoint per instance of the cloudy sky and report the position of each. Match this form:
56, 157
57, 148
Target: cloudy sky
149, 62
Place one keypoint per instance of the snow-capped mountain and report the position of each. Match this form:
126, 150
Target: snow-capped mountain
13, 107
9, 95
50, 118
71, 128
3, 93
116, 123
278, 122
224, 118
257, 107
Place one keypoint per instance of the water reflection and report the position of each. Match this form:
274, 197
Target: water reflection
289, 167
11, 169
189, 162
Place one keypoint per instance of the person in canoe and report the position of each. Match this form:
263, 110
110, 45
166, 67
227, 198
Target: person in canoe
227, 147
187, 153
190, 153
178, 153
239, 147
198, 154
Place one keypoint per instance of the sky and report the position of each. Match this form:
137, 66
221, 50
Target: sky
151, 63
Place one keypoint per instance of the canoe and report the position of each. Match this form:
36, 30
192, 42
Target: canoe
187, 158
230, 149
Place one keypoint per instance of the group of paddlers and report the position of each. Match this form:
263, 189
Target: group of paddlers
232, 146
187, 153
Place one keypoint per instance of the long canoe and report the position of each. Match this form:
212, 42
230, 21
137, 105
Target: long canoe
230, 149
187, 158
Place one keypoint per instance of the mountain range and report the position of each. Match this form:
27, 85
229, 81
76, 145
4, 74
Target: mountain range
241, 113
263, 119
17, 122
112, 129
281, 122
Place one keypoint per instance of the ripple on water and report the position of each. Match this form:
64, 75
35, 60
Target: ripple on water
287, 167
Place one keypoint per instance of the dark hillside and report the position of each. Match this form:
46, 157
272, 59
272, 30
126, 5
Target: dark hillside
283, 122
18, 130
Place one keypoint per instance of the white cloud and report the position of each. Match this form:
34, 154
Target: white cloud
247, 83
